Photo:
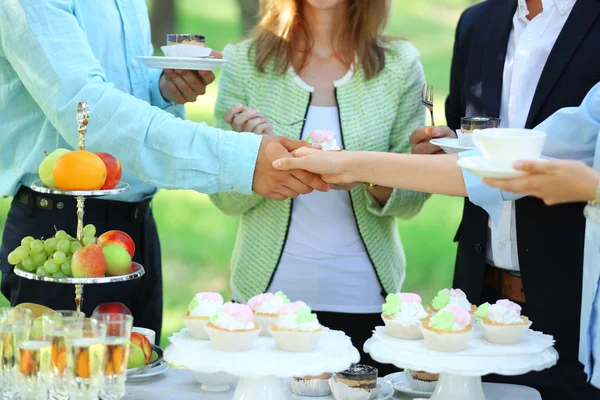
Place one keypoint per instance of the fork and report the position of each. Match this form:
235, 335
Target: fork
427, 100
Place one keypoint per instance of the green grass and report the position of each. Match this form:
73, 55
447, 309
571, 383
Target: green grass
197, 239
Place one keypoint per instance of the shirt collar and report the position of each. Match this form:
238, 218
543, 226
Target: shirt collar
563, 6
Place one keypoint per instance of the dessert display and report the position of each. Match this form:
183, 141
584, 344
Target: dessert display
186, 46
451, 296
324, 138
403, 314
355, 383
502, 322
266, 309
202, 307
312, 386
62, 256
233, 328
448, 330
421, 381
297, 329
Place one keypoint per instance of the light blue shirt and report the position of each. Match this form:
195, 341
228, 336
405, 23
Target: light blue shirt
55, 53
573, 133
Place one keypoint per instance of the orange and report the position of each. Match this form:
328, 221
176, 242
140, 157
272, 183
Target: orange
79, 170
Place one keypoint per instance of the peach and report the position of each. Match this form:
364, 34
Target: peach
111, 308
143, 342
79, 170
88, 262
120, 238
113, 170
118, 260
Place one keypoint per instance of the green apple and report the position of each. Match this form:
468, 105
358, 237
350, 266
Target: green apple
118, 260
46, 166
137, 358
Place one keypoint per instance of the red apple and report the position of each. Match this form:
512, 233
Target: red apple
120, 238
111, 308
113, 170
143, 342
88, 262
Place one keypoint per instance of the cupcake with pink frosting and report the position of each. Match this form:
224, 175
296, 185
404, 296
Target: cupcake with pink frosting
297, 329
266, 308
201, 308
233, 328
326, 139
403, 314
451, 296
448, 330
502, 322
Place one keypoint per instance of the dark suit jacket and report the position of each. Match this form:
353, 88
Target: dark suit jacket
550, 239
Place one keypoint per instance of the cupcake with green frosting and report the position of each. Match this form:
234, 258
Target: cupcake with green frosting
297, 329
202, 307
446, 297
266, 308
502, 322
403, 314
448, 330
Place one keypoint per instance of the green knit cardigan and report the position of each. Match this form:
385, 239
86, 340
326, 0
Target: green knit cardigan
375, 115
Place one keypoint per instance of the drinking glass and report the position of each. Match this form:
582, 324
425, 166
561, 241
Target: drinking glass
86, 358
469, 124
118, 336
15, 324
35, 352
58, 378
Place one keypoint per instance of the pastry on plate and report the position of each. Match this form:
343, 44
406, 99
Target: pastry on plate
233, 328
312, 386
201, 308
266, 308
448, 330
297, 329
502, 322
355, 383
324, 138
451, 296
421, 381
403, 314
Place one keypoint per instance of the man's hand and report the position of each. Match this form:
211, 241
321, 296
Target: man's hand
420, 138
280, 185
183, 86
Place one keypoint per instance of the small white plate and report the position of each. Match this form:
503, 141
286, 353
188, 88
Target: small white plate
152, 372
481, 167
450, 145
399, 383
187, 63
384, 392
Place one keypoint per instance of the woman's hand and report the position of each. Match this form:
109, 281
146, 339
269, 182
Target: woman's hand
329, 164
244, 119
555, 182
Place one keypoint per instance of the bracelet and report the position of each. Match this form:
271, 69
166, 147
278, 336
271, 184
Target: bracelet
370, 185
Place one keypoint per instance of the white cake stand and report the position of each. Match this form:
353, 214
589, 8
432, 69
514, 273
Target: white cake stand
262, 368
461, 372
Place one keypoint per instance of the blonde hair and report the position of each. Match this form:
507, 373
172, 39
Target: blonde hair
283, 30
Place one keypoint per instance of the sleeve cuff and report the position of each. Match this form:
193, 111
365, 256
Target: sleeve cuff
239, 152
156, 96
373, 205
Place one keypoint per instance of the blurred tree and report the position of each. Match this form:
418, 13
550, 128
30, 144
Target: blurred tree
162, 21
249, 12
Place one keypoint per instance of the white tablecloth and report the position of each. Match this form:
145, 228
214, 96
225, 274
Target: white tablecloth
180, 385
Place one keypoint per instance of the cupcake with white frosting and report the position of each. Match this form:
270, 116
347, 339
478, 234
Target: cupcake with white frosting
446, 297
233, 328
403, 314
201, 308
324, 138
502, 322
297, 329
266, 308
448, 330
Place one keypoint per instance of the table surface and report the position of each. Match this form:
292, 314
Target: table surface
177, 384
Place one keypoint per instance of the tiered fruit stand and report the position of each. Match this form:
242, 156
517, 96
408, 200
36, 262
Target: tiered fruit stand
80, 196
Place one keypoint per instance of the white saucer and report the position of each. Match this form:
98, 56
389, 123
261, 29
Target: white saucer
481, 167
384, 392
152, 372
187, 63
450, 145
399, 383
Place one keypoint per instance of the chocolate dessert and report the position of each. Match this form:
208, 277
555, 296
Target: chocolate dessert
173, 39
358, 376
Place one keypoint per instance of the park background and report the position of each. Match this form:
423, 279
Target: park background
197, 239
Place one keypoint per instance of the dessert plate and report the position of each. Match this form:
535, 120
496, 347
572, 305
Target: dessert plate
400, 384
481, 167
384, 392
187, 63
450, 145
148, 374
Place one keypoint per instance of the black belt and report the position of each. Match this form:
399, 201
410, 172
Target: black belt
95, 209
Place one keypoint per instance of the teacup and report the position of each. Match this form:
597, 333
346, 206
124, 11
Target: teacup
149, 333
502, 147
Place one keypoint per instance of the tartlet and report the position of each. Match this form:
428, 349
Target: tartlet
403, 315
201, 308
451, 296
266, 308
233, 328
502, 323
297, 329
449, 330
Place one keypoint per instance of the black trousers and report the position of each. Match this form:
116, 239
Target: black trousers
30, 216
360, 328
548, 382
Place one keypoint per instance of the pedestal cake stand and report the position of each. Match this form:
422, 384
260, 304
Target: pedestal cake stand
461, 372
262, 368
80, 196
